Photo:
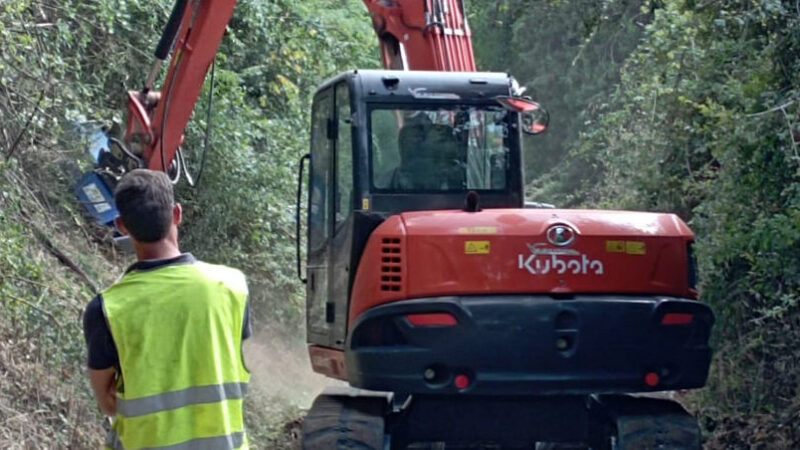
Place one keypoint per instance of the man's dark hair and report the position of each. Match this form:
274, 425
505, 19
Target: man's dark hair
144, 199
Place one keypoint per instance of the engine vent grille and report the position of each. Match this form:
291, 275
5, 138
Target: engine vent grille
391, 265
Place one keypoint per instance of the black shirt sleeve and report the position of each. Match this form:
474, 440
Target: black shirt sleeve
102, 350
247, 329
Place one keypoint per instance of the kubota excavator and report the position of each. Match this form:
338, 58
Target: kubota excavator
460, 315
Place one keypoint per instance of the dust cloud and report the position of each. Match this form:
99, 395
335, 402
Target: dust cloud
280, 369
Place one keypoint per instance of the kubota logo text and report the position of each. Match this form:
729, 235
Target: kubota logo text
542, 260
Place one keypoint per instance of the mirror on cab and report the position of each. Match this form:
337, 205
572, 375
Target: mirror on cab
534, 118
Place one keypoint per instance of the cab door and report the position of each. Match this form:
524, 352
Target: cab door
330, 223
320, 220
343, 205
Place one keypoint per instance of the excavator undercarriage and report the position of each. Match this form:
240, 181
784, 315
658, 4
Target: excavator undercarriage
349, 418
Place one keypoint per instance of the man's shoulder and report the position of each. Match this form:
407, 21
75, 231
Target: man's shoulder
230, 276
219, 269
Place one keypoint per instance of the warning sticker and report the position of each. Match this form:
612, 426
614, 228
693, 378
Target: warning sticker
96, 198
615, 246
635, 248
629, 247
477, 248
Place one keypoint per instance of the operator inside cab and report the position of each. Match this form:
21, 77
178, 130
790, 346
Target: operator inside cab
431, 158
439, 150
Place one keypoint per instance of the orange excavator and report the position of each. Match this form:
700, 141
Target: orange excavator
460, 315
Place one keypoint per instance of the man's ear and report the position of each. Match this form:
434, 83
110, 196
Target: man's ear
121, 226
177, 214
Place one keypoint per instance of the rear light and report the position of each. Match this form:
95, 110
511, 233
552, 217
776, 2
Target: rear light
432, 320
461, 382
677, 319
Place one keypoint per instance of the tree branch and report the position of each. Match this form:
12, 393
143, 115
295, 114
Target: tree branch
61, 256
25, 127
772, 110
790, 125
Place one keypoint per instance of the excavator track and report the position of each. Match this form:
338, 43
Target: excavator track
345, 422
657, 432
634, 423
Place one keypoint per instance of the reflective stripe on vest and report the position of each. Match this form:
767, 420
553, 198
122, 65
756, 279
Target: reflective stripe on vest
178, 332
179, 399
229, 442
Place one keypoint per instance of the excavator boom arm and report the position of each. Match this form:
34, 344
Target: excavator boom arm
157, 120
423, 34
413, 35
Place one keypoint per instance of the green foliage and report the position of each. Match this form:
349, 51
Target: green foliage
568, 55
44, 394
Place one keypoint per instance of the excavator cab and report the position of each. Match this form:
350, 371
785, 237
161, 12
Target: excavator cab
386, 142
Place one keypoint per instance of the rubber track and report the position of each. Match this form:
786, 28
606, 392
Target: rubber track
659, 431
341, 422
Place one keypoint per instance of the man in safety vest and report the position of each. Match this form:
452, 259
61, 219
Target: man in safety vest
165, 341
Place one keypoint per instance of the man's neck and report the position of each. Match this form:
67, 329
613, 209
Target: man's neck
164, 249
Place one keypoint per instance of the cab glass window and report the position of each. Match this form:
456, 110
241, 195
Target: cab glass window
444, 149
344, 155
321, 168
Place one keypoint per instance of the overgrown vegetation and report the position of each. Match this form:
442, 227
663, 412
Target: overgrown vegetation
44, 397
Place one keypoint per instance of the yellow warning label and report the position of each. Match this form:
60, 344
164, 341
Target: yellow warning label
635, 248
477, 247
615, 246
629, 247
477, 230
365, 204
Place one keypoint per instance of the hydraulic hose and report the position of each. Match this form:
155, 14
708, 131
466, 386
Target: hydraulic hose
171, 30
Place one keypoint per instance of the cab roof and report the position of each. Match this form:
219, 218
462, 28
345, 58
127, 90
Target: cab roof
395, 85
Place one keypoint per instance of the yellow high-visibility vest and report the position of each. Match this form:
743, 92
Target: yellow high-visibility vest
178, 332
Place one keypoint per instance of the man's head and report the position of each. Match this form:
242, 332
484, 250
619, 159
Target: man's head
411, 136
409, 140
148, 212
